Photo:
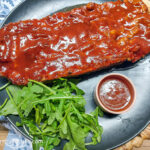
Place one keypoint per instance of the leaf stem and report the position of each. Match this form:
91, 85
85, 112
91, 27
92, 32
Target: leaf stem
43, 85
4, 86
56, 98
4, 103
19, 112
68, 110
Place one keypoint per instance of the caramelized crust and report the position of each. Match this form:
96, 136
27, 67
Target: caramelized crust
71, 43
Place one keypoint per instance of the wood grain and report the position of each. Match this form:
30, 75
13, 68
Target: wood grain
3, 136
142, 141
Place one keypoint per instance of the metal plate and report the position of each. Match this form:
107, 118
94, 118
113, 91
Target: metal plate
118, 129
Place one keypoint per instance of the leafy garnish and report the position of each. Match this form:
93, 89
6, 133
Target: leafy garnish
52, 113
4, 86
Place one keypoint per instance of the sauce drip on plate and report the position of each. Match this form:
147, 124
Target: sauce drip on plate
114, 94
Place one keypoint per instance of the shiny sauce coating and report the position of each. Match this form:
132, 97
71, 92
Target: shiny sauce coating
114, 94
71, 43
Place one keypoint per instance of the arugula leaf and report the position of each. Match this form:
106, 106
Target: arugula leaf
52, 113
76, 89
69, 146
47, 108
36, 89
51, 118
8, 109
77, 137
64, 128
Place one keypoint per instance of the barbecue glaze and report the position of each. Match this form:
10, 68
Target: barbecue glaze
85, 39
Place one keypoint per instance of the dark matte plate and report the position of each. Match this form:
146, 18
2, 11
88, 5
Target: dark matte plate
118, 129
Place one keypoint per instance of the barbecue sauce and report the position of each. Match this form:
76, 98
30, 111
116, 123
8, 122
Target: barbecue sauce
114, 94
72, 43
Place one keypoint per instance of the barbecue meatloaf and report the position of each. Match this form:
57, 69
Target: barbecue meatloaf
85, 39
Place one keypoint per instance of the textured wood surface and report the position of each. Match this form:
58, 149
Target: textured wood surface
3, 136
142, 141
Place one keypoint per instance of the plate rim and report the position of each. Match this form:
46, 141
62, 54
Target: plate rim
5, 19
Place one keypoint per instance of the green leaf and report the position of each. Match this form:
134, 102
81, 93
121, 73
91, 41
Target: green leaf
49, 129
52, 113
100, 112
47, 108
94, 126
44, 125
56, 141
77, 134
9, 109
63, 131
15, 92
69, 146
44, 86
79, 115
76, 89
37, 116
51, 118
36, 144
64, 127
18, 124
36, 89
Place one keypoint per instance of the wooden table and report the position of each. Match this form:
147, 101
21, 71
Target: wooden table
4, 133
3, 136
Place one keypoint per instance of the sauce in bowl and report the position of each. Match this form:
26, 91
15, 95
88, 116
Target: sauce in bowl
115, 93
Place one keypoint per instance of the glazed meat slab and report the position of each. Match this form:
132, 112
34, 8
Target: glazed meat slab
85, 39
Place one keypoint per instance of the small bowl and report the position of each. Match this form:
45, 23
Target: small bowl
129, 85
